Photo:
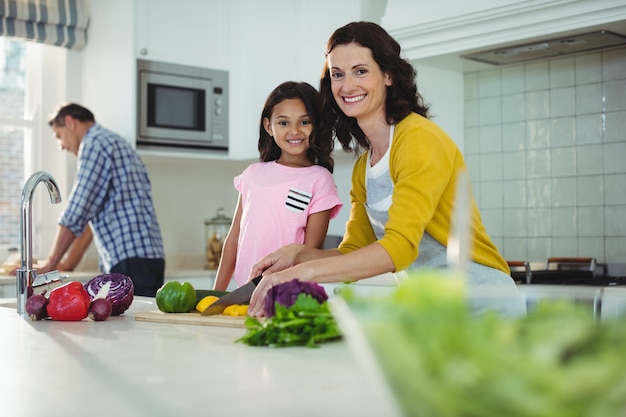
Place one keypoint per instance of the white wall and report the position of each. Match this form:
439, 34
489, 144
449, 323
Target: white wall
260, 44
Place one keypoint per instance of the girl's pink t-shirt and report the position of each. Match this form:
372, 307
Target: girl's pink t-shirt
276, 201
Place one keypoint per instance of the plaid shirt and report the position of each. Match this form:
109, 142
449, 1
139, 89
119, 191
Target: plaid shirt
112, 192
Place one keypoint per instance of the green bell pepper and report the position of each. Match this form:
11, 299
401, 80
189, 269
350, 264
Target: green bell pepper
174, 297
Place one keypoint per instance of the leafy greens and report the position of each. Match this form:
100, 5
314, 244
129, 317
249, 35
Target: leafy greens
306, 322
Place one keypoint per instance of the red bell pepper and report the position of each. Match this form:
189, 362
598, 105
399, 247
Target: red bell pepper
69, 302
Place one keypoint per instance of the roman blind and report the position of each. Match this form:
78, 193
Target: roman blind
55, 22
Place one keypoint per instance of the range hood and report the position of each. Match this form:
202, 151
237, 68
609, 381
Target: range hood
549, 48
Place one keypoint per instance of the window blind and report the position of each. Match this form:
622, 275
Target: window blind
55, 22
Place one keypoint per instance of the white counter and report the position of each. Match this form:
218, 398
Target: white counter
200, 279
123, 367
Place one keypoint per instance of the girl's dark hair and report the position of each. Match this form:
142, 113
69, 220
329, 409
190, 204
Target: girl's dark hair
320, 150
402, 95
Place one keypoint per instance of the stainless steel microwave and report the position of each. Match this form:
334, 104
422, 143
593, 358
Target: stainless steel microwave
181, 106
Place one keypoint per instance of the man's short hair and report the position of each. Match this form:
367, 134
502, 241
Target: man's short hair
77, 111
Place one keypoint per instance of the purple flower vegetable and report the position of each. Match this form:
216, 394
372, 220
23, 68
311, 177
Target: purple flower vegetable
287, 293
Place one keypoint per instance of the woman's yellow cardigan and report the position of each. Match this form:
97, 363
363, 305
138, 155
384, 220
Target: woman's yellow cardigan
424, 164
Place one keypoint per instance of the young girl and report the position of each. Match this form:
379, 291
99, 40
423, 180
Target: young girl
288, 197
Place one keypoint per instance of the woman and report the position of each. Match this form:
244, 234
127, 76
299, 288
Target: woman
402, 185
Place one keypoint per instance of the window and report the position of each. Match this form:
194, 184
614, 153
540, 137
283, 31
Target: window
13, 130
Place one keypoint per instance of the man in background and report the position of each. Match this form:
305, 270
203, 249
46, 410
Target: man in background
111, 194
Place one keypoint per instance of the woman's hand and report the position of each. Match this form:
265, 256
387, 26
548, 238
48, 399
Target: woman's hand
257, 301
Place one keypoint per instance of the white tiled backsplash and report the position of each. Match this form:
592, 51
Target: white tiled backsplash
545, 143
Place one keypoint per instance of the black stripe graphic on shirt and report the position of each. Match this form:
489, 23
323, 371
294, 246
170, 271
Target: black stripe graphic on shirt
297, 200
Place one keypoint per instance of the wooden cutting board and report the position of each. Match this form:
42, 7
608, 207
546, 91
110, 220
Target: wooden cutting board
191, 318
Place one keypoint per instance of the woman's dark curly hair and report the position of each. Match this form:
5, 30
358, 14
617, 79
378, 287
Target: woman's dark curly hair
319, 151
402, 97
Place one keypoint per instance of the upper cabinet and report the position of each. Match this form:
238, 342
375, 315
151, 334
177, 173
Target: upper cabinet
452, 27
188, 32
260, 44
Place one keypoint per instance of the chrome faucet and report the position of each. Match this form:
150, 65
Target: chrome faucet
26, 274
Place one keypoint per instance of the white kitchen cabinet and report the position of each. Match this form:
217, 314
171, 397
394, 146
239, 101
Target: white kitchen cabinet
260, 44
189, 32
454, 26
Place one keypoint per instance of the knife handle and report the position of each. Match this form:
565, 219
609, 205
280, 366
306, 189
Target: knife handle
256, 280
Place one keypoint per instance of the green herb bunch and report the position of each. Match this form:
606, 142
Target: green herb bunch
307, 322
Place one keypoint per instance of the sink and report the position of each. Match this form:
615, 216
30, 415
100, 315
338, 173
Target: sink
8, 303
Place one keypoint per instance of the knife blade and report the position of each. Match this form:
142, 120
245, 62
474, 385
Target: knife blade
239, 296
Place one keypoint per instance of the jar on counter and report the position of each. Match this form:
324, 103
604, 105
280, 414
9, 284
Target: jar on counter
216, 231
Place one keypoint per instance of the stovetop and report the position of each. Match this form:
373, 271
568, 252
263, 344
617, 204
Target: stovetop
570, 278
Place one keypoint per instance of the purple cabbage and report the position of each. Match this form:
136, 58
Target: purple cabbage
287, 293
117, 288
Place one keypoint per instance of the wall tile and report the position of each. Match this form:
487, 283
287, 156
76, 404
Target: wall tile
515, 249
590, 221
513, 136
470, 85
539, 248
513, 108
471, 113
493, 221
590, 160
490, 166
615, 159
615, 94
514, 194
563, 131
590, 190
489, 83
615, 126
592, 247
539, 222
512, 80
562, 102
537, 76
515, 222
615, 186
538, 105
614, 64
491, 138
615, 249
563, 161
561, 186
564, 192
514, 165
564, 246
564, 222
538, 164
589, 129
562, 72
491, 195
589, 98
614, 220
588, 68
539, 192
490, 111
472, 141
538, 132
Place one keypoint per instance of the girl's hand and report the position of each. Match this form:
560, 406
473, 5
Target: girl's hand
278, 260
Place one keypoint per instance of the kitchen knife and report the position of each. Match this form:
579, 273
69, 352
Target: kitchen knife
239, 296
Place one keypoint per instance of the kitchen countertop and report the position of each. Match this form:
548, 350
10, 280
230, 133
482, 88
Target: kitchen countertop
123, 367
